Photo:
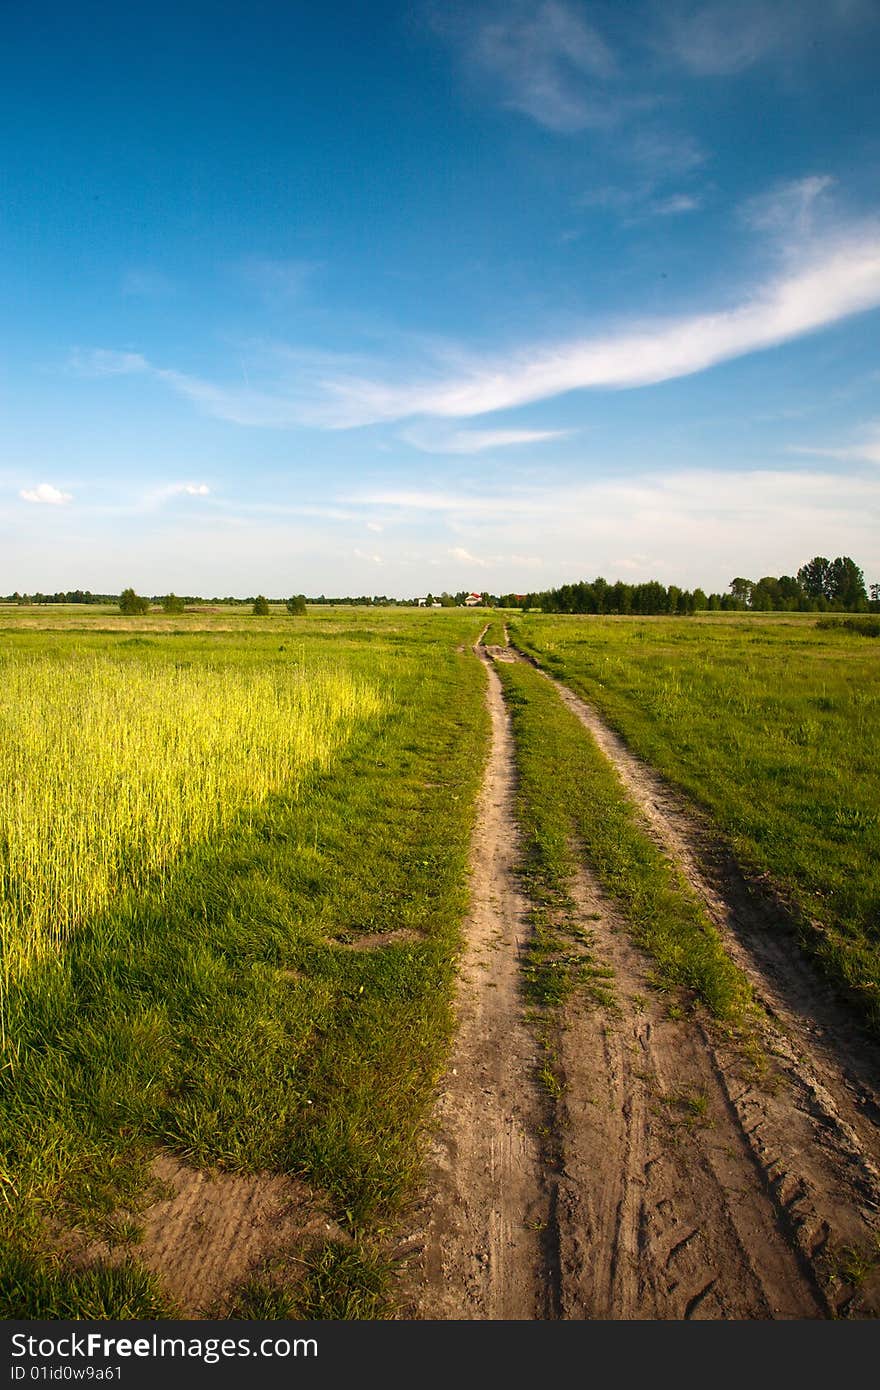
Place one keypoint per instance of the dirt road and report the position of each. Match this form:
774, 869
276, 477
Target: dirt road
668, 1179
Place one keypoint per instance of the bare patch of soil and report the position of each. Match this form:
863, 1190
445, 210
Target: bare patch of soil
662, 1212
209, 1232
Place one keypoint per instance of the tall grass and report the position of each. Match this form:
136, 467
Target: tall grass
110, 771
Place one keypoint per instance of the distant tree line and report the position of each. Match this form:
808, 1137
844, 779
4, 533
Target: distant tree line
820, 585
69, 596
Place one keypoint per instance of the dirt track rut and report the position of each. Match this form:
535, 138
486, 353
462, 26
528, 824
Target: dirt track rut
482, 1228
667, 1180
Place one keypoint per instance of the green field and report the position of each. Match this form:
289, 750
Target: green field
772, 724
234, 875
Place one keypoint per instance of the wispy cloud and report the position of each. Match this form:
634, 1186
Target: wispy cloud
432, 441
843, 279
720, 39
822, 281
99, 362
278, 281
185, 490
365, 555
144, 283
47, 494
865, 449
791, 209
638, 202
676, 204
465, 557
544, 60
694, 526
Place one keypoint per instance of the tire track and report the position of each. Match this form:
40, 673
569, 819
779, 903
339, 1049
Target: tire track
481, 1243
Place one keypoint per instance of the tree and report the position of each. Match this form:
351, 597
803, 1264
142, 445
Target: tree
701, 602
846, 582
765, 594
295, 605
814, 577
172, 604
131, 603
261, 606
741, 589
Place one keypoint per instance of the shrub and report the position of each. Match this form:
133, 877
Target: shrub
132, 603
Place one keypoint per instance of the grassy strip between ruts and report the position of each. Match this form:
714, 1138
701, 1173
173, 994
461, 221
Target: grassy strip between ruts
570, 795
226, 1018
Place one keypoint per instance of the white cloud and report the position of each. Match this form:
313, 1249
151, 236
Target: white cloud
278, 281
676, 204
790, 209
102, 362
821, 283
544, 60
364, 555
719, 39
464, 557
181, 490
843, 280
475, 441
696, 526
47, 494
374, 526
865, 449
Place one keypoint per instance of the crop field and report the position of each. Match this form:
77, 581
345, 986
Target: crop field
355, 968
233, 874
772, 725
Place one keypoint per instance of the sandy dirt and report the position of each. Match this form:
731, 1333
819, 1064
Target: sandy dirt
480, 1234
207, 1233
670, 1179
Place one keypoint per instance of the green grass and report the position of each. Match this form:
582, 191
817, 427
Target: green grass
862, 624
31, 1288
221, 1012
338, 1282
773, 726
571, 801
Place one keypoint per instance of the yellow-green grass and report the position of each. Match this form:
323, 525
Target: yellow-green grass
773, 726
110, 771
215, 1007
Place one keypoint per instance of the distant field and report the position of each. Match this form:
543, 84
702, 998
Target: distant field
233, 873
771, 724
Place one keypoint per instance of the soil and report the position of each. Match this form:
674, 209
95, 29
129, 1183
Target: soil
209, 1232
479, 1235
672, 1177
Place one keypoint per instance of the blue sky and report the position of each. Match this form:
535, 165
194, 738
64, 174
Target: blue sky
401, 297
